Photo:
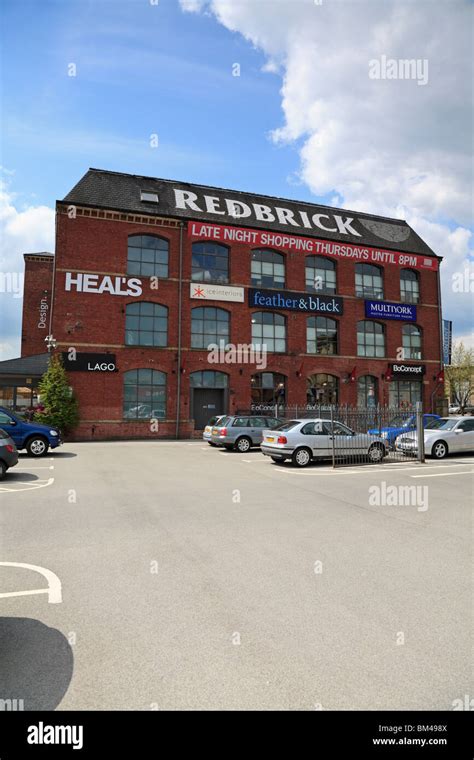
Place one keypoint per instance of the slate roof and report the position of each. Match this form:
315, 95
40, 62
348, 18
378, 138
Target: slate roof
103, 189
25, 365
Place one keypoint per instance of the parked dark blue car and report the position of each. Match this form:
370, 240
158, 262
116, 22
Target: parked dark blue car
33, 437
401, 425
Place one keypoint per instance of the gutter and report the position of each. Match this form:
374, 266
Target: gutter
180, 304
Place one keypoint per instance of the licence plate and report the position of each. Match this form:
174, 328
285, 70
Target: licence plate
269, 438
214, 431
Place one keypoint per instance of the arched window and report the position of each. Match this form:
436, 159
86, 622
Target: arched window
147, 256
367, 395
320, 275
322, 389
146, 324
209, 325
368, 281
144, 394
210, 263
268, 269
269, 330
370, 339
208, 378
409, 286
321, 335
267, 389
411, 341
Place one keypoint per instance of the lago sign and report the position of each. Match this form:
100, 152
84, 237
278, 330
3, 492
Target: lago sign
86, 362
286, 299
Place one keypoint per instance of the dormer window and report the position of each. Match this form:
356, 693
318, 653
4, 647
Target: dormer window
148, 197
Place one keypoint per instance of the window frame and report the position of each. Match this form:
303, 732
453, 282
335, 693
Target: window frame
260, 284
258, 341
212, 281
324, 290
141, 262
139, 330
364, 266
382, 331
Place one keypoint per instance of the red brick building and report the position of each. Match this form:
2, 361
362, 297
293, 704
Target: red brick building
148, 273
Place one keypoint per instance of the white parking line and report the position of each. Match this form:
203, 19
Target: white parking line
54, 584
51, 467
32, 487
443, 474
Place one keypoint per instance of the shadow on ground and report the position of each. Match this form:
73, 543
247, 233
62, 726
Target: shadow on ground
36, 665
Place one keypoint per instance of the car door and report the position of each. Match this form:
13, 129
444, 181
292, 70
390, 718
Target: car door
464, 436
257, 426
12, 427
318, 438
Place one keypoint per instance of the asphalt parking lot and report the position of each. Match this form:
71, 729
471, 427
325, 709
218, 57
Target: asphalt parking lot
194, 578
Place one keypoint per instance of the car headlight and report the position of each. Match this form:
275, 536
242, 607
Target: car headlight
384, 434
53, 432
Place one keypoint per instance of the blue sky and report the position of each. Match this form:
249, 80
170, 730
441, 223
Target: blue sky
303, 120
140, 70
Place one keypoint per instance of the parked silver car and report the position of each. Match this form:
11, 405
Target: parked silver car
213, 422
451, 435
241, 432
302, 441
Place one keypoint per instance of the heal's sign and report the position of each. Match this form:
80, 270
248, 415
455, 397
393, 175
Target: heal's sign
227, 234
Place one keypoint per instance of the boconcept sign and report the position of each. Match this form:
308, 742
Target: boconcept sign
96, 283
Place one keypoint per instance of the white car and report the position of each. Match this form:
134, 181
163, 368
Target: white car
451, 435
454, 409
305, 440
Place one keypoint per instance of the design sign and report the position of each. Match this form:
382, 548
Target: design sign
285, 299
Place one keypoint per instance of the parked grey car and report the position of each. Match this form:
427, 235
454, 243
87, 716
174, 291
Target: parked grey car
241, 432
302, 441
213, 422
8, 453
450, 436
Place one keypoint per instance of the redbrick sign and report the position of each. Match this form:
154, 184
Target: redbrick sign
227, 234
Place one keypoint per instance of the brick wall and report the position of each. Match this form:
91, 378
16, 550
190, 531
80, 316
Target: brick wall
96, 323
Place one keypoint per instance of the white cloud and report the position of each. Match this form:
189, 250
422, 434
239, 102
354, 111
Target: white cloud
386, 146
23, 229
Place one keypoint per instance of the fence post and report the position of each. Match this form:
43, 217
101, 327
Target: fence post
420, 433
332, 436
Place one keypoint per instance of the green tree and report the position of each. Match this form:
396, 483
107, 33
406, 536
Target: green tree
460, 374
60, 405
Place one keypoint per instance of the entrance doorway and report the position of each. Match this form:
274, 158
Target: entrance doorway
207, 402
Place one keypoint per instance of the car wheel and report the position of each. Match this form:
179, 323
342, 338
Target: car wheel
376, 453
439, 450
37, 447
243, 444
302, 457
3, 469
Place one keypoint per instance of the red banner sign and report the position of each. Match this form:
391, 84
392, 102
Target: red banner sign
227, 234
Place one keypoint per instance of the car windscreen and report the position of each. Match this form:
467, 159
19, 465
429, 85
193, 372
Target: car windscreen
214, 420
433, 424
223, 421
447, 424
288, 425
400, 422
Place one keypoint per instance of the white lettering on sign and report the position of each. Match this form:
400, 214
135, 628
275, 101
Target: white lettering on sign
95, 283
43, 310
186, 200
100, 367
407, 368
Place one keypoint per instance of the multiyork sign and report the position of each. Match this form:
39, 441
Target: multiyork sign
96, 283
407, 370
285, 299
226, 234
86, 362
216, 292
387, 310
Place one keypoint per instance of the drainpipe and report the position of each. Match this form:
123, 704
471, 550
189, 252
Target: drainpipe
440, 328
53, 282
180, 302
